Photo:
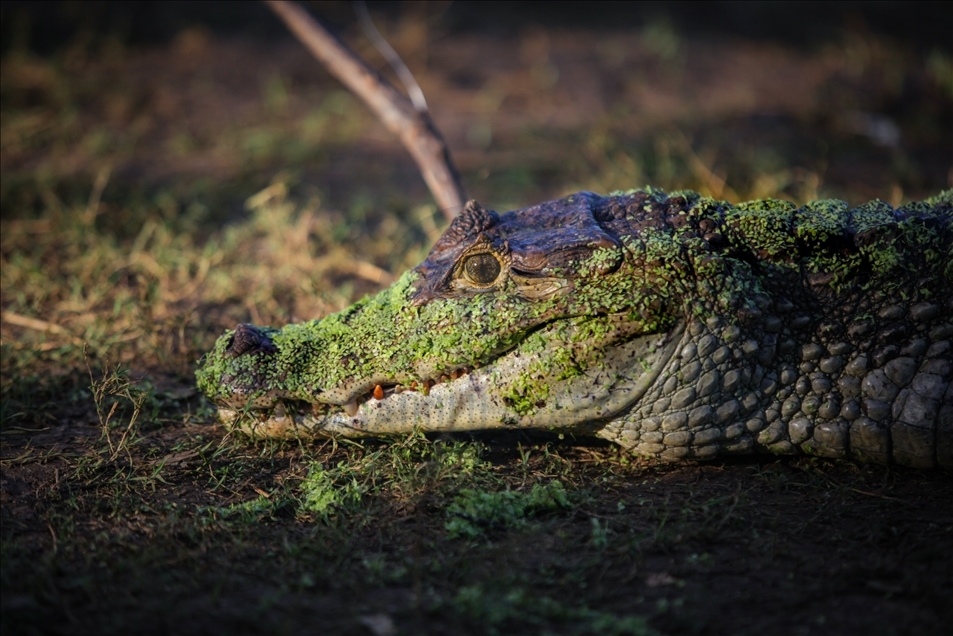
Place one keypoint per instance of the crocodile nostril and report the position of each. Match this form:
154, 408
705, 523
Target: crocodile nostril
249, 339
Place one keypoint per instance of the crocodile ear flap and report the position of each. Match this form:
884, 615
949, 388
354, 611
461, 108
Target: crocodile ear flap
472, 220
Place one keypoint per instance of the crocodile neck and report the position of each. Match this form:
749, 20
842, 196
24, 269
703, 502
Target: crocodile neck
828, 362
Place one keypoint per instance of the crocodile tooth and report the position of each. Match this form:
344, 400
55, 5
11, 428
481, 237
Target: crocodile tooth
378, 392
444, 377
351, 408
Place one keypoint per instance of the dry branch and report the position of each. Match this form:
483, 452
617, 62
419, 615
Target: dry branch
414, 127
37, 325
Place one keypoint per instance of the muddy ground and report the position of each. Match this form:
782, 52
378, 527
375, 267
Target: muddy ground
158, 190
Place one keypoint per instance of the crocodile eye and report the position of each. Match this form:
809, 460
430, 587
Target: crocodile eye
482, 269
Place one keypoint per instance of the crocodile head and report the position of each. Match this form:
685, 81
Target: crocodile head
558, 315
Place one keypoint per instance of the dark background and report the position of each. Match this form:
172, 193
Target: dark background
44, 26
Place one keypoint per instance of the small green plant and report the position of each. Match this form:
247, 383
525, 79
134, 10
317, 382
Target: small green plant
461, 457
250, 511
514, 609
322, 491
600, 533
473, 512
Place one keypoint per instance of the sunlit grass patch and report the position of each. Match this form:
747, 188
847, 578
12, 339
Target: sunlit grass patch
351, 483
375, 473
78, 286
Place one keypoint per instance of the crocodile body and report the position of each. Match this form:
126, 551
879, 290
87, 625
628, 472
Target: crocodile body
675, 325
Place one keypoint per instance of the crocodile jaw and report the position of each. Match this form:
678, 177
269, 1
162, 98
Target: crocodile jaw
484, 399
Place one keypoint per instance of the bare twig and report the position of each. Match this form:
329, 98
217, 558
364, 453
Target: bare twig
32, 323
53, 534
37, 325
383, 46
414, 127
96, 195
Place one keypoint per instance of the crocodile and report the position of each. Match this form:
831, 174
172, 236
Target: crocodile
676, 325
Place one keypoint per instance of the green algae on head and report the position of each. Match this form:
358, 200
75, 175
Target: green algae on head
675, 325
432, 322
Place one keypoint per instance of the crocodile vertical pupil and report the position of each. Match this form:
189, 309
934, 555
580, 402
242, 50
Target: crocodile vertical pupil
482, 269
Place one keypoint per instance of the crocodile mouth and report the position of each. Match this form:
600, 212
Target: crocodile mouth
275, 404
522, 387
285, 414
284, 407
383, 391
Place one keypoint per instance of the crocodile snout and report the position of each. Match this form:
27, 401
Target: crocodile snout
249, 339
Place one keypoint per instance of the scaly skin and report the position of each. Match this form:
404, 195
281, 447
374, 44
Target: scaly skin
675, 325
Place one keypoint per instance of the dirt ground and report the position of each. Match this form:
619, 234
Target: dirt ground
158, 191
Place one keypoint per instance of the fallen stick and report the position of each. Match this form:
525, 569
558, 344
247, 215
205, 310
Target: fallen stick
33, 323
